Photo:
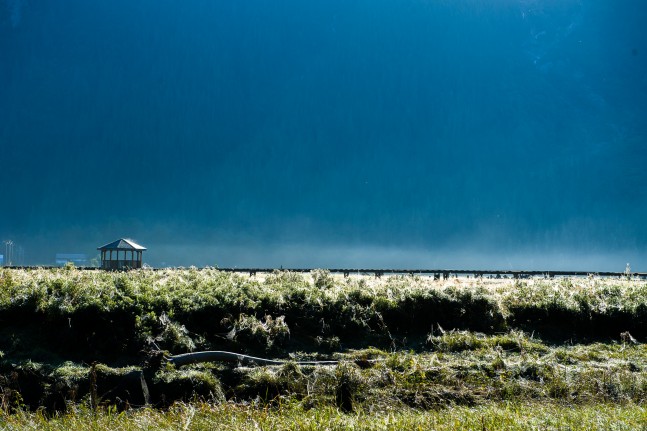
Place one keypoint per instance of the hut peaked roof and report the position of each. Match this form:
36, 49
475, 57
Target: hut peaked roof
122, 244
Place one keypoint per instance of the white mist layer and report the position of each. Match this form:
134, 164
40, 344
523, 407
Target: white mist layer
356, 257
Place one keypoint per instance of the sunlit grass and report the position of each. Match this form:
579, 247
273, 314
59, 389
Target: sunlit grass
475, 369
199, 416
483, 349
183, 290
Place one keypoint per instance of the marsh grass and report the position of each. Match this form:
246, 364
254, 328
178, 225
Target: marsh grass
456, 341
292, 416
328, 304
437, 343
508, 367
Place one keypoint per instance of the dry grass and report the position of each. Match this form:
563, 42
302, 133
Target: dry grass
506, 416
437, 343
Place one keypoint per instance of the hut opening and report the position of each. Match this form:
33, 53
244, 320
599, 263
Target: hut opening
121, 255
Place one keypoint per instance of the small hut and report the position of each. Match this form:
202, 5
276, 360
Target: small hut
121, 254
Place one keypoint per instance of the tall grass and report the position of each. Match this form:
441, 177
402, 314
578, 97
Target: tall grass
506, 416
206, 300
459, 368
436, 342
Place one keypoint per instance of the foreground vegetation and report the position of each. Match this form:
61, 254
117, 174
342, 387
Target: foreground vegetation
412, 352
110, 317
201, 416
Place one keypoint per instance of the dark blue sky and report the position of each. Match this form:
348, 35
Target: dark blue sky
409, 133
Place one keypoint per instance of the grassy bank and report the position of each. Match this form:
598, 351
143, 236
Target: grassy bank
71, 338
459, 368
96, 315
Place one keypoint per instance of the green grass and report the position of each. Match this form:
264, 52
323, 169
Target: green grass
414, 352
200, 416
192, 309
475, 369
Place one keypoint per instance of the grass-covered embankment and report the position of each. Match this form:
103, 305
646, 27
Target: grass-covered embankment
94, 315
457, 342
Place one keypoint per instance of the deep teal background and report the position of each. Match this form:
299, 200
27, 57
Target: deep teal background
327, 133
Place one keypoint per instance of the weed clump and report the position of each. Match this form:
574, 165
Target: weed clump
163, 333
458, 341
322, 279
255, 333
169, 386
